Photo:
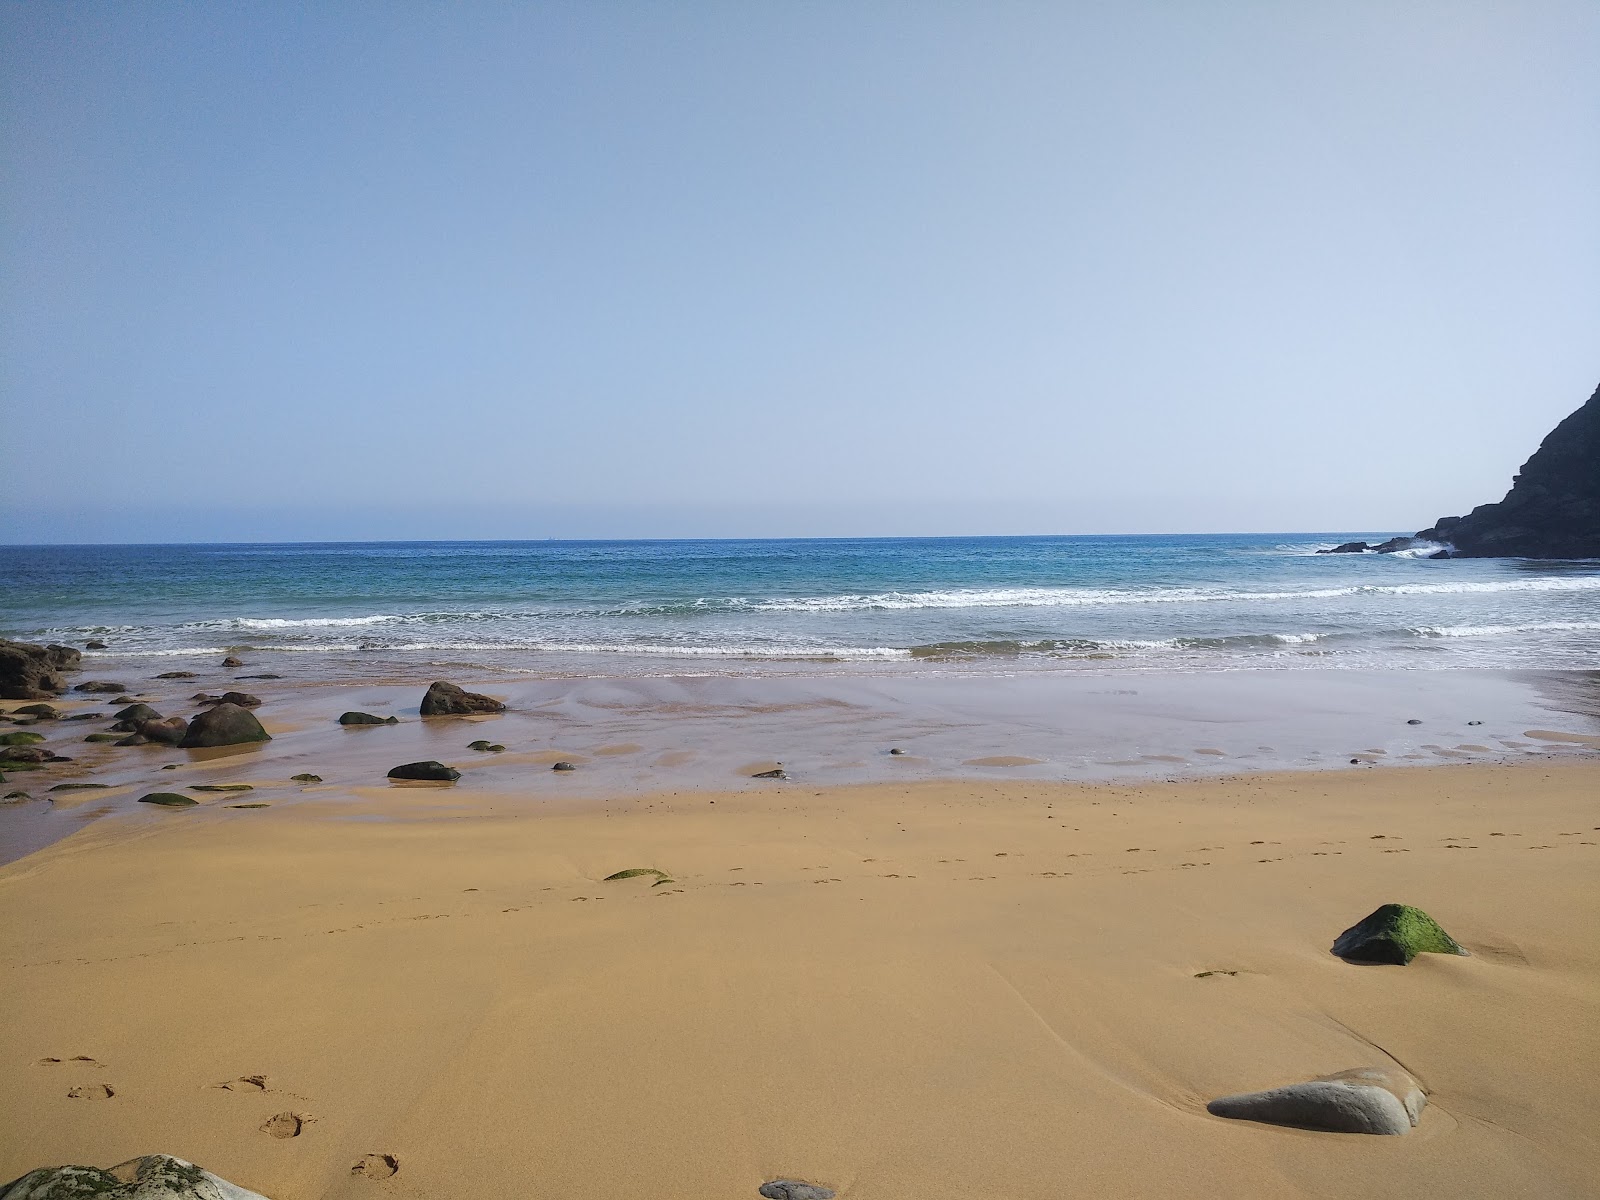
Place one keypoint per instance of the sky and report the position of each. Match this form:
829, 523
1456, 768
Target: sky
278, 271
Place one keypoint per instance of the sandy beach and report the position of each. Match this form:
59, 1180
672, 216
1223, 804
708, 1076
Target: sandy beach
961, 988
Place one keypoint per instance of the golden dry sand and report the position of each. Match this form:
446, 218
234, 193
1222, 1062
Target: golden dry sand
987, 989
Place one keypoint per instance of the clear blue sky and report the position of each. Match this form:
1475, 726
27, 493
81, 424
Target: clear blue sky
346, 270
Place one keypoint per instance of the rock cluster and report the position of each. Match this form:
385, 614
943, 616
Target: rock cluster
29, 672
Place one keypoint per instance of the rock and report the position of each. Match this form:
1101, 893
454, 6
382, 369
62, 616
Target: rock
18, 796
242, 699
791, 1189
1394, 933
231, 661
260, 677
1553, 507
85, 716
102, 737
24, 754
203, 697
29, 672
176, 675
1348, 548
135, 713
153, 1177
80, 787
222, 787
42, 711
306, 777
777, 773
101, 686
95, 646
169, 732
1400, 543
486, 746
21, 738
361, 718
134, 739
1413, 721
169, 800
447, 700
1364, 1100
430, 770
896, 750
224, 725
563, 766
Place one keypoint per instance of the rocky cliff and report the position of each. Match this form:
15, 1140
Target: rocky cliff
1553, 507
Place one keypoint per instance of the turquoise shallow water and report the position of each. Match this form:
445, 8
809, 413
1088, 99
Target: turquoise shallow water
1180, 603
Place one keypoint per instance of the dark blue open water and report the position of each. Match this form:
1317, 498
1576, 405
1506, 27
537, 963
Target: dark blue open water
1176, 603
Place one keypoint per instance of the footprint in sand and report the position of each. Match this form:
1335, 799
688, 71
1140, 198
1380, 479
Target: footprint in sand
77, 1058
286, 1125
376, 1166
92, 1091
245, 1083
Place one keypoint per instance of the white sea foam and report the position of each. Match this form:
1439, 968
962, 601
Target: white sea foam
1087, 597
1463, 631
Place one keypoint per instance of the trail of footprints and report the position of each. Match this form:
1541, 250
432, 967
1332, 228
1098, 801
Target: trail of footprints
281, 1125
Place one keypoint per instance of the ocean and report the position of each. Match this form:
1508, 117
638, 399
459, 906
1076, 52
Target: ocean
882, 605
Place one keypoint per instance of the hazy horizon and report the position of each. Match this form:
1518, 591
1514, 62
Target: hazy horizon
335, 272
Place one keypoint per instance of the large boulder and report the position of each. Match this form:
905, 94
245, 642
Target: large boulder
447, 700
1394, 933
224, 725
1364, 1100
430, 771
153, 1177
29, 672
1553, 507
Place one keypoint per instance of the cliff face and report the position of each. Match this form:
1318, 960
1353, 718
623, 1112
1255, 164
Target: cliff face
1553, 507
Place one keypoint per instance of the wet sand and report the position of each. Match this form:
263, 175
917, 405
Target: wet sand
945, 988
976, 969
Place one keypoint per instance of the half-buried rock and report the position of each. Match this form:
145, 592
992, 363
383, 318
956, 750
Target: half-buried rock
1364, 1100
154, 1175
1395, 933
447, 700
168, 732
224, 725
361, 718
169, 800
430, 771
136, 712
794, 1189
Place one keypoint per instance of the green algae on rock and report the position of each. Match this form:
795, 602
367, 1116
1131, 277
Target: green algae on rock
634, 873
169, 800
21, 737
1394, 933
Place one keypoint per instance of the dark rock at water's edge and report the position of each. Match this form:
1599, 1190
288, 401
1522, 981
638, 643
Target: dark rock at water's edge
95, 646
29, 672
136, 712
176, 675
102, 686
137, 1179
1552, 509
41, 712
224, 725
447, 700
361, 718
1349, 548
435, 772
169, 800
1394, 933
231, 661
242, 699
170, 731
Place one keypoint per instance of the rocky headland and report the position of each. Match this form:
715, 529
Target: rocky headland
1551, 511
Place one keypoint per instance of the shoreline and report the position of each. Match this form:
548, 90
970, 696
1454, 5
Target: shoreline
953, 987
632, 736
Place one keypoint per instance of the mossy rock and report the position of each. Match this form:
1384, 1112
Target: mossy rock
103, 737
154, 1175
361, 718
480, 744
21, 738
221, 787
11, 765
635, 872
18, 796
169, 800
79, 787
306, 777
1394, 933
252, 804
44, 712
